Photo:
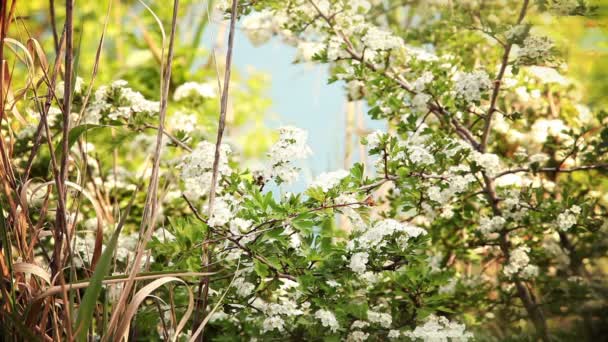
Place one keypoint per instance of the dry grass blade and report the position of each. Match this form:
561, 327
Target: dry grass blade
199, 330
51, 291
216, 160
96, 63
149, 217
24, 267
139, 297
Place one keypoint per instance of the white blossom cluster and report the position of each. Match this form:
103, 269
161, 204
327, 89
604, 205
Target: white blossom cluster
243, 288
276, 312
259, 26
307, 50
328, 180
240, 227
546, 75
224, 210
194, 90
292, 145
519, 263
440, 329
375, 236
285, 307
491, 225
357, 336
197, 168
563, 7
383, 319
181, 121
535, 49
328, 319
118, 101
472, 85
456, 180
358, 262
417, 148
516, 32
373, 139
490, 162
378, 39
543, 128
568, 218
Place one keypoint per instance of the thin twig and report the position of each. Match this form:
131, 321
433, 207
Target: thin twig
150, 212
497, 82
204, 285
554, 169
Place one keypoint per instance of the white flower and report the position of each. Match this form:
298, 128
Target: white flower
222, 211
394, 334
421, 54
539, 158
448, 288
516, 32
239, 226
258, 27
373, 139
307, 50
440, 329
357, 336
290, 147
359, 325
242, 287
272, 323
420, 102
362, 5
194, 89
335, 49
535, 48
328, 319
529, 271
471, 86
355, 89
377, 39
418, 154
546, 75
563, 7
487, 161
117, 101
494, 224
385, 320
163, 234
329, 180
332, 283
544, 128
183, 122
518, 261
358, 262
196, 168
374, 237
568, 218
420, 83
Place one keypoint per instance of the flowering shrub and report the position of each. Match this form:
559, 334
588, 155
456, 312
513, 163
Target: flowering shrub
482, 216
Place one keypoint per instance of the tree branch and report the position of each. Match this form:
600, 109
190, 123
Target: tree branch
494, 98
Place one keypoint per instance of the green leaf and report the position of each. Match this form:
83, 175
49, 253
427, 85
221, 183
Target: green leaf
89, 300
261, 269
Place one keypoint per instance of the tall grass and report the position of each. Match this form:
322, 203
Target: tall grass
42, 296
